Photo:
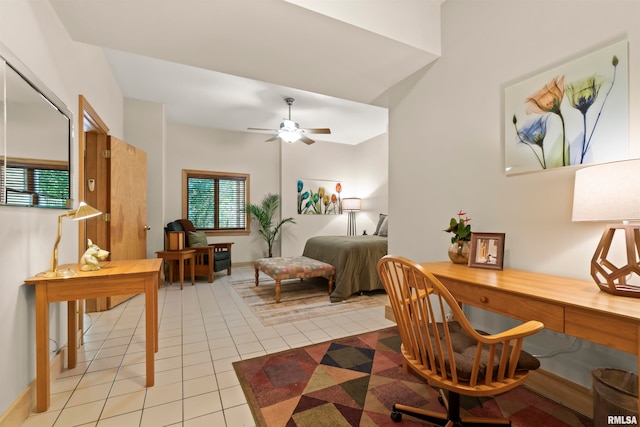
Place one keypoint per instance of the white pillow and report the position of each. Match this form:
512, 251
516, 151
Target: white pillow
381, 219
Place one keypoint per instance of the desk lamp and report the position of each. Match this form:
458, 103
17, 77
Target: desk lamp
351, 205
84, 211
611, 192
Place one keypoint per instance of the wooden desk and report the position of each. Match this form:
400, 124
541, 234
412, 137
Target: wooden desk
181, 256
114, 278
574, 307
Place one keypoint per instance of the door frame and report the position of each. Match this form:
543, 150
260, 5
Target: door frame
88, 121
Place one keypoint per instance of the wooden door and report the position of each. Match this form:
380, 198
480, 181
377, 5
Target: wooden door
128, 201
119, 174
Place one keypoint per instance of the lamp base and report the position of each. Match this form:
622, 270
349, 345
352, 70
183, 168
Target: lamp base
351, 223
65, 272
610, 277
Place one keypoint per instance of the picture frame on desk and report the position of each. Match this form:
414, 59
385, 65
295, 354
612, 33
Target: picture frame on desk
487, 250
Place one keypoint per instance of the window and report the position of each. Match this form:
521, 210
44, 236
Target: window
30, 183
215, 201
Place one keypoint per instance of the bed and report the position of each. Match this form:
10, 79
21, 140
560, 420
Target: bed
355, 259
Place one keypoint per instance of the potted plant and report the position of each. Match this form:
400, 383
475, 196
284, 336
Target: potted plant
263, 214
461, 229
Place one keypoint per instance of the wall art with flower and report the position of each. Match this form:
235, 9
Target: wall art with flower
319, 197
574, 114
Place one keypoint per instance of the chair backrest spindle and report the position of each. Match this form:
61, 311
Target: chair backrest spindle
439, 342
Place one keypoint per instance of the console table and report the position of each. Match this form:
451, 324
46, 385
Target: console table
574, 307
113, 278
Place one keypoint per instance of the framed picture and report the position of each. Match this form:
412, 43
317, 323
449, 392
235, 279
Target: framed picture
319, 197
573, 114
487, 250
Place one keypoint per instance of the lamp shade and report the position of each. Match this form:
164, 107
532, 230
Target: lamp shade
84, 211
351, 204
607, 192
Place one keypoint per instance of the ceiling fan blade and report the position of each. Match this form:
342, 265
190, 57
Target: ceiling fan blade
306, 140
262, 129
317, 130
273, 138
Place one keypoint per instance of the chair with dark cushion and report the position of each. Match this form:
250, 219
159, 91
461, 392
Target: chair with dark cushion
210, 257
440, 345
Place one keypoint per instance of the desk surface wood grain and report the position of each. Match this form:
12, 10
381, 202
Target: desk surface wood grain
580, 294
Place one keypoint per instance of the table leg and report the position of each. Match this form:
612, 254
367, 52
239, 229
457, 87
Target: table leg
72, 333
192, 263
42, 349
170, 271
151, 327
278, 290
181, 269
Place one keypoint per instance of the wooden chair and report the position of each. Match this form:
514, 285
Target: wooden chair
440, 345
208, 259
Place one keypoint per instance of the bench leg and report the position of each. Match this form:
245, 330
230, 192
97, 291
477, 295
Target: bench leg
257, 274
330, 284
278, 291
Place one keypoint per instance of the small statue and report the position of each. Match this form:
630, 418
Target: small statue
91, 257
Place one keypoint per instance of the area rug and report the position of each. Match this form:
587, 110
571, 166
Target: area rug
299, 299
354, 381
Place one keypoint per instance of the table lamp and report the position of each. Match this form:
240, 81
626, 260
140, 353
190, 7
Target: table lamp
611, 192
351, 205
84, 211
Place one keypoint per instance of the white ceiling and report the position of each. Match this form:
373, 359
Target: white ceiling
229, 64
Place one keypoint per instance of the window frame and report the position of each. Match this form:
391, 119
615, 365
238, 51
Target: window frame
190, 173
30, 167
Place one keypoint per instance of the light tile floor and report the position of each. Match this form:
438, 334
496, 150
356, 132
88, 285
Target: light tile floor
203, 329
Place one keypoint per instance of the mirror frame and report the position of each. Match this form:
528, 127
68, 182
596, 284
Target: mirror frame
14, 63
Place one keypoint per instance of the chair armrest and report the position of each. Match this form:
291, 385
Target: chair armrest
524, 330
220, 247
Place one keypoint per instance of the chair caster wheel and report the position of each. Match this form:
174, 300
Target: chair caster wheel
396, 416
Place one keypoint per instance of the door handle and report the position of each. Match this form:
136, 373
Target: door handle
147, 228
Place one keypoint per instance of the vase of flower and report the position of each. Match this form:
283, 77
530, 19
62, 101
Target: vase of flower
459, 252
461, 229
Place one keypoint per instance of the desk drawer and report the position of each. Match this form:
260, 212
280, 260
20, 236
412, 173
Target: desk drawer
614, 332
508, 304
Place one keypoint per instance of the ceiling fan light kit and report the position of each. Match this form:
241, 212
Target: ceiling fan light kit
290, 131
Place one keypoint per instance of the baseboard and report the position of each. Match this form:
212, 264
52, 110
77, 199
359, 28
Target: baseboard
24, 405
242, 264
549, 385
561, 390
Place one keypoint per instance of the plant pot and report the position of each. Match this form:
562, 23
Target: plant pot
459, 252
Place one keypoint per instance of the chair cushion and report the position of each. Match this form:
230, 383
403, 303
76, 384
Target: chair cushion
464, 349
197, 239
174, 226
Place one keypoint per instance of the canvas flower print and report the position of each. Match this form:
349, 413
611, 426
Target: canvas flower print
573, 114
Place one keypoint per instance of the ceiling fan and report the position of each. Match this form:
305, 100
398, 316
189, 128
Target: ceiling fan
291, 131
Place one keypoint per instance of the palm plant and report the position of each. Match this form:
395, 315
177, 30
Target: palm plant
263, 214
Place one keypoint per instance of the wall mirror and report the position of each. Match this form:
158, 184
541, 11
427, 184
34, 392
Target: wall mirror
35, 140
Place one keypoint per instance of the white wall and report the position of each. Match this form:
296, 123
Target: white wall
31, 30
446, 153
144, 124
198, 148
363, 172
363, 165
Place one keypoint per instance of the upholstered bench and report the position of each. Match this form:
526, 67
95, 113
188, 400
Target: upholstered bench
299, 267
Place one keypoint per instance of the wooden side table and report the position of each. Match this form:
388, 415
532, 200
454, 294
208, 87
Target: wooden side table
113, 278
181, 256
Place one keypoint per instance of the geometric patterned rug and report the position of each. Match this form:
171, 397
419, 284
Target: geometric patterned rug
354, 381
